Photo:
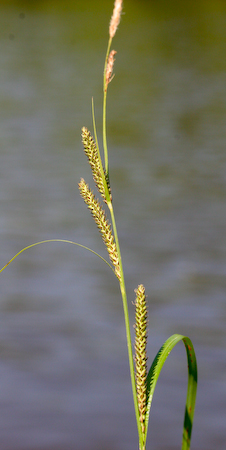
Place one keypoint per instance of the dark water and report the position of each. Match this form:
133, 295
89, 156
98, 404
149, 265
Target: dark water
64, 379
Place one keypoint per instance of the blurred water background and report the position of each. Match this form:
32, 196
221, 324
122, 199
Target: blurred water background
64, 377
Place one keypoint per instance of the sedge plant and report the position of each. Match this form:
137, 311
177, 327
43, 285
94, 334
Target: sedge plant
143, 381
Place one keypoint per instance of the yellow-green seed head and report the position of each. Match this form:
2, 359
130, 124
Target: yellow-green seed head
91, 152
103, 225
140, 350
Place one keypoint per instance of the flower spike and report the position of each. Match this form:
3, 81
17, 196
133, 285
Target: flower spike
91, 152
140, 351
115, 18
100, 218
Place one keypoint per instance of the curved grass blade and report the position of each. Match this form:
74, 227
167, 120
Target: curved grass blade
57, 240
154, 373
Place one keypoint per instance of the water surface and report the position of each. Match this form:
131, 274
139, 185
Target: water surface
63, 358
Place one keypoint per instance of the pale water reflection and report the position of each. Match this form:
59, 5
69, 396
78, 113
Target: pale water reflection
64, 379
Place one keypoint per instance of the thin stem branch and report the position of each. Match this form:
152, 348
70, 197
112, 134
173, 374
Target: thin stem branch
122, 281
127, 325
104, 110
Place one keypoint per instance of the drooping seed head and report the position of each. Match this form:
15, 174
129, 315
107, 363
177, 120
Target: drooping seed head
103, 225
91, 152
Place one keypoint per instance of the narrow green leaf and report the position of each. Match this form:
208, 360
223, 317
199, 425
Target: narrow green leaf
154, 373
57, 240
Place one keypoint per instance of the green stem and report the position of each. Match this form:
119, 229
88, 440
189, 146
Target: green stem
122, 281
107, 193
127, 325
104, 110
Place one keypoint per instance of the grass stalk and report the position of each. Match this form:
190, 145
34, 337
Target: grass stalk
104, 109
143, 383
127, 326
